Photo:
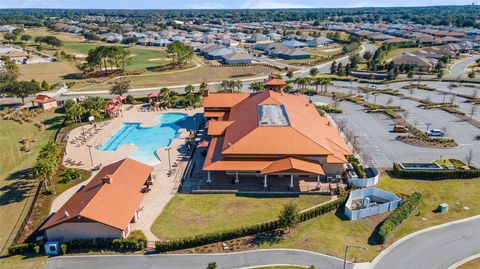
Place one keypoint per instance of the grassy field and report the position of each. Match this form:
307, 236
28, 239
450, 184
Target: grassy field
396, 52
473, 264
14, 164
21, 262
328, 234
191, 214
191, 76
51, 72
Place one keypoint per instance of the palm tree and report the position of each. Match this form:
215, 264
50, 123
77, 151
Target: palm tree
317, 82
237, 84
189, 88
257, 86
325, 84
203, 86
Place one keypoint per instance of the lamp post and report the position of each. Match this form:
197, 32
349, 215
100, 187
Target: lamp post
90, 152
169, 162
428, 125
346, 251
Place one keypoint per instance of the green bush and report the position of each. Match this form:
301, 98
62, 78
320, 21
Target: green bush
435, 174
330, 109
359, 170
36, 249
138, 235
398, 216
119, 244
130, 100
205, 239
19, 249
69, 175
63, 247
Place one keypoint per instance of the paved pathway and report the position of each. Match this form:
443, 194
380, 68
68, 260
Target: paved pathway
459, 68
230, 260
437, 247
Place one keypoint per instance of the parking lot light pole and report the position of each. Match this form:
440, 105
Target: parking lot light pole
90, 152
169, 162
428, 125
346, 251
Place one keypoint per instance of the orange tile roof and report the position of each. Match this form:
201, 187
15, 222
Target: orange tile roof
214, 114
218, 127
223, 100
41, 98
292, 165
308, 132
112, 204
274, 82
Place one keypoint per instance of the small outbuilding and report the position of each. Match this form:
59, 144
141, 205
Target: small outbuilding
45, 102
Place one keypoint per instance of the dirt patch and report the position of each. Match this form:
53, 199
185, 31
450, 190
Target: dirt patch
373, 221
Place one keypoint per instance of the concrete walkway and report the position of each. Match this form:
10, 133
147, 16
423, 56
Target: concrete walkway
200, 261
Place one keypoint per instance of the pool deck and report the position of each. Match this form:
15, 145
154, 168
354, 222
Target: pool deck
164, 186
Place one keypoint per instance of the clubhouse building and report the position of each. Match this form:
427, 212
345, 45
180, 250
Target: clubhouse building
271, 136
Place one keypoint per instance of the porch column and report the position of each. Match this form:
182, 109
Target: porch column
236, 178
208, 177
318, 181
291, 181
265, 182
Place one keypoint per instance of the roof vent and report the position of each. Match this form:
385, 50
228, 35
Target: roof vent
66, 214
107, 179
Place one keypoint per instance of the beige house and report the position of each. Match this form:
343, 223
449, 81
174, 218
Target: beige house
105, 207
415, 62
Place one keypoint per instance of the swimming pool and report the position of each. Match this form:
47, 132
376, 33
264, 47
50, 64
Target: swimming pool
147, 140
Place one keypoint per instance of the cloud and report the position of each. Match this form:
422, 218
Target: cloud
267, 4
207, 5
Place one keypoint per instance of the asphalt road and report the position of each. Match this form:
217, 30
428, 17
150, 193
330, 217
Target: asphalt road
436, 249
458, 69
232, 260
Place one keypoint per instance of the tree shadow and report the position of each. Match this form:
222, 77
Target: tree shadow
372, 240
73, 76
14, 192
267, 238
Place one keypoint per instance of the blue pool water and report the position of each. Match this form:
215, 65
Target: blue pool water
147, 140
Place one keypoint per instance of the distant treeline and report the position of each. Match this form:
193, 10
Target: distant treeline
464, 16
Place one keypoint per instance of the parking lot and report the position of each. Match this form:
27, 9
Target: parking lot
374, 134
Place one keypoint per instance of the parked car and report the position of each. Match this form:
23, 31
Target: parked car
435, 132
400, 129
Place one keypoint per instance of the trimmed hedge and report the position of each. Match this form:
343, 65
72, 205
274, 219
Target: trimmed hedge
20, 248
435, 174
205, 239
398, 216
109, 243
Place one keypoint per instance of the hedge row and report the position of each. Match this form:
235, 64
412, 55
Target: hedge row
435, 174
397, 217
205, 239
20, 248
109, 243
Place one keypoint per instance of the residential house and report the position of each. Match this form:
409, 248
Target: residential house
7, 28
105, 207
258, 38
415, 62
319, 42
294, 44
237, 58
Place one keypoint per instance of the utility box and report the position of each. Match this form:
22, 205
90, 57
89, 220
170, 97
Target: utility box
52, 248
442, 208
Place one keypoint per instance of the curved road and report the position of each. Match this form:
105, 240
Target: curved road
458, 69
438, 247
200, 261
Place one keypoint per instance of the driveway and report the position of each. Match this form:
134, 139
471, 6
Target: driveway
438, 247
194, 261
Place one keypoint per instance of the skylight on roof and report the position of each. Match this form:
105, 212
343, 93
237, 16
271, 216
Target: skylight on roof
272, 115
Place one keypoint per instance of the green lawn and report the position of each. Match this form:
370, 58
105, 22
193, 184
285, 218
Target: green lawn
14, 164
192, 214
329, 233
21, 262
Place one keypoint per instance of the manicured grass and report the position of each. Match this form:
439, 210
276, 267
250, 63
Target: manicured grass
14, 164
473, 264
192, 214
21, 262
51, 72
192, 76
396, 52
330, 233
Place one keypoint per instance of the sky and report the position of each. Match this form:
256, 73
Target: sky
220, 4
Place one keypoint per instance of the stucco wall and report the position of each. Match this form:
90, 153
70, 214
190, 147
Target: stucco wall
81, 230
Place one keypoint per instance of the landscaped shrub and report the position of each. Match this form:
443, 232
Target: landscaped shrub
69, 175
137, 235
36, 249
19, 249
119, 244
330, 109
401, 213
435, 174
205, 239
63, 247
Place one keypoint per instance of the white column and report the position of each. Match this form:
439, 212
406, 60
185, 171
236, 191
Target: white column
318, 181
236, 178
291, 181
208, 177
265, 182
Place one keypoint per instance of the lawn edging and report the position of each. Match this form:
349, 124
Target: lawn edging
204, 239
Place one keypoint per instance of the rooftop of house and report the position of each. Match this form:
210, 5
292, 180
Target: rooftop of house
111, 197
